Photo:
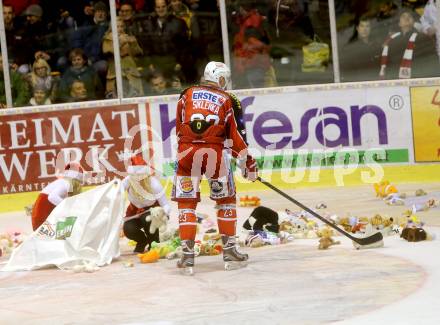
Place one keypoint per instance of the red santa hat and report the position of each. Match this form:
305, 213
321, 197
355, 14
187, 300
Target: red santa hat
137, 165
74, 170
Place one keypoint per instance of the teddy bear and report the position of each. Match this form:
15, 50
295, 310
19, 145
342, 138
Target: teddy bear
344, 222
262, 219
420, 192
286, 226
159, 220
326, 239
6, 245
377, 221
413, 234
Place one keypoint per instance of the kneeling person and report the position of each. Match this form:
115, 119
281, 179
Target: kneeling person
144, 192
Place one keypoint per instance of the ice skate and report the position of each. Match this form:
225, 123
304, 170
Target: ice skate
233, 259
186, 262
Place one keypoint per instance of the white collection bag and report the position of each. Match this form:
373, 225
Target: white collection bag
82, 229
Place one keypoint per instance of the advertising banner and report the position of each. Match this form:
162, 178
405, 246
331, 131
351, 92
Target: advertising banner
298, 125
426, 123
35, 145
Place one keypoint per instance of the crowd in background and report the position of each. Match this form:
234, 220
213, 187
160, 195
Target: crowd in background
388, 40
63, 51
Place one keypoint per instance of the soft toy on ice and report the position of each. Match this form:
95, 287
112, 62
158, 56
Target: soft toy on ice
384, 188
326, 239
165, 248
214, 240
395, 199
425, 206
369, 230
413, 230
159, 221
6, 245
362, 222
207, 249
151, 256
261, 238
262, 219
246, 201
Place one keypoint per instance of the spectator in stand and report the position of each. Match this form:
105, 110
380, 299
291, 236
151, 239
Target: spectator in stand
251, 47
67, 12
17, 48
181, 11
196, 56
176, 84
34, 37
41, 78
387, 15
128, 48
80, 70
89, 37
20, 5
157, 84
360, 57
39, 97
137, 5
78, 92
166, 40
202, 5
407, 53
20, 94
133, 25
429, 23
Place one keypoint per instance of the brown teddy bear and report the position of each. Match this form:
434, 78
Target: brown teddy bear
326, 239
286, 226
413, 234
377, 221
345, 223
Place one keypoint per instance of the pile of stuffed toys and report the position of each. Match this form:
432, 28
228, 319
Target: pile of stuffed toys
9, 240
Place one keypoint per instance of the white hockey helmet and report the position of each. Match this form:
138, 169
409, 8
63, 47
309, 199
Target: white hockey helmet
215, 70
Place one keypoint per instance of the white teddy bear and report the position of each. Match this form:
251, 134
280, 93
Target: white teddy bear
158, 219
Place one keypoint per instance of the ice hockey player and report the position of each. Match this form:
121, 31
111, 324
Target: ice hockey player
144, 192
69, 184
206, 131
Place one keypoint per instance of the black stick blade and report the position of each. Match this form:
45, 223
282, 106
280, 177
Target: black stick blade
368, 240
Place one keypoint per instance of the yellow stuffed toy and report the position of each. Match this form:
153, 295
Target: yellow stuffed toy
384, 188
326, 239
151, 256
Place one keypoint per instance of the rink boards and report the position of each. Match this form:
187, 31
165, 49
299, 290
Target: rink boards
316, 130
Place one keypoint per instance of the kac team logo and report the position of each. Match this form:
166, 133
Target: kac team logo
216, 187
186, 185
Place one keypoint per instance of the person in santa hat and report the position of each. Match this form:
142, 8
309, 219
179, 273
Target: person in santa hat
69, 184
144, 192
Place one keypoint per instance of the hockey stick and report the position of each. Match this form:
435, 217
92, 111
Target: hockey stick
139, 215
361, 241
